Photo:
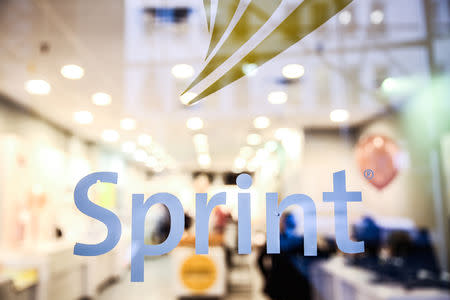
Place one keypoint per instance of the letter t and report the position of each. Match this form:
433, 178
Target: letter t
340, 197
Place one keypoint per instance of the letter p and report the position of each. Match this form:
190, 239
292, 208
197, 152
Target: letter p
138, 247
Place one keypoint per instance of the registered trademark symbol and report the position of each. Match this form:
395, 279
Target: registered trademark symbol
368, 173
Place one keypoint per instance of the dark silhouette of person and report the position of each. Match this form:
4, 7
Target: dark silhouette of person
369, 232
286, 274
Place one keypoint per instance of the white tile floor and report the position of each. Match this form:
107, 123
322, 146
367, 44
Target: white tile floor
157, 284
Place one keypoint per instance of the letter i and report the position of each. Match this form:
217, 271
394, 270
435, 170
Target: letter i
244, 181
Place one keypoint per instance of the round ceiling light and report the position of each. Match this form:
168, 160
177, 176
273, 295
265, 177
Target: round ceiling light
339, 115
83, 117
204, 160
261, 122
376, 17
183, 71
194, 123
72, 72
278, 97
128, 124
101, 99
345, 17
38, 87
187, 97
293, 71
250, 70
239, 163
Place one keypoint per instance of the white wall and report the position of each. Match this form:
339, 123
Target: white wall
326, 152
35, 153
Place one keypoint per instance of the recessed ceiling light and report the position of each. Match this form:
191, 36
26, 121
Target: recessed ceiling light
101, 99
254, 139
128, 147
83, 117
239, 163
140, 155
391, 85
145, 140
128, 124
345, 17
376, 17
72, 72
250, 69
187, 97
204, 160
278, 97
261, 122
183, 71
110, 136
339, 115
37, 87
194, 123
293, 71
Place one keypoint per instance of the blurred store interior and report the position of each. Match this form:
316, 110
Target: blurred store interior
90, 86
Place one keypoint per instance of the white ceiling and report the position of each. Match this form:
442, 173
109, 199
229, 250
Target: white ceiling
130, 58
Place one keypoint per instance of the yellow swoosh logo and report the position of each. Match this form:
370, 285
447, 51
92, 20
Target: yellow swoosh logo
306, 18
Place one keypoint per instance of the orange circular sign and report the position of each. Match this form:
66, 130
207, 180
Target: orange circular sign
198, 273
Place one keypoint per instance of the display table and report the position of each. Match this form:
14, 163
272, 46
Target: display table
333, 279
59, 272
199, 275
9, 292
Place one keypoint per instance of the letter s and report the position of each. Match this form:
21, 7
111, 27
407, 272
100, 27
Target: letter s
95, 211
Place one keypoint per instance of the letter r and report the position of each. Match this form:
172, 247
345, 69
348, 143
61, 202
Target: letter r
203, 209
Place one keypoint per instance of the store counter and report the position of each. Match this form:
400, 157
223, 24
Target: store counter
333, 279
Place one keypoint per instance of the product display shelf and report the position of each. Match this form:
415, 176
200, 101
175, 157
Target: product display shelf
342, 282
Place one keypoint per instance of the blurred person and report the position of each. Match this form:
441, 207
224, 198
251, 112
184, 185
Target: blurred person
188, 221
286, 274
369, 232
162, 224
188, 238
423, 255
221, 218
